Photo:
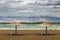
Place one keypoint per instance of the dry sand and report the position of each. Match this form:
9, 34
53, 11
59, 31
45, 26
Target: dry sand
30, 35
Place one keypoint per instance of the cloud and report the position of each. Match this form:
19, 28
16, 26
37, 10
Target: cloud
47, 2
3, 1
26, 11
13, 5
18, 3
18, 7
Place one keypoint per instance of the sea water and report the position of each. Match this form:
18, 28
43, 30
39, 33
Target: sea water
29, 27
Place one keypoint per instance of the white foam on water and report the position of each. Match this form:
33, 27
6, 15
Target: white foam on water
28, 29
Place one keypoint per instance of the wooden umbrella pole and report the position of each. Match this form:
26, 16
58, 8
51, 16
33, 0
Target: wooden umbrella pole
16, 29
46, 30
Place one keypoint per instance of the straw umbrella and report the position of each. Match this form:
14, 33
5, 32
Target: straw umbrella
45, 24
16, 23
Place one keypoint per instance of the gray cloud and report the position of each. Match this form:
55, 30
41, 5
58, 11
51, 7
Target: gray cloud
11, 8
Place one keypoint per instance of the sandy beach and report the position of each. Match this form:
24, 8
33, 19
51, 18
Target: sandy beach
30, 35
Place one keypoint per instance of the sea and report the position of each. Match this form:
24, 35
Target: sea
29, 27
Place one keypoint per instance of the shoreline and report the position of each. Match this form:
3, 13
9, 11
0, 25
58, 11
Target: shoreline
28, 29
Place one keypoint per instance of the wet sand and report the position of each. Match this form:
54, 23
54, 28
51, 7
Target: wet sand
30, 35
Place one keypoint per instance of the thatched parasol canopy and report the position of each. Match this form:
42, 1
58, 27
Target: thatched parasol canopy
45, 24
16, 23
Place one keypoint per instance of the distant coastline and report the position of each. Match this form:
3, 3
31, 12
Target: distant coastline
30, 19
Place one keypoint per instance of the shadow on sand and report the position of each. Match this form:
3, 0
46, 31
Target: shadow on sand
43, 34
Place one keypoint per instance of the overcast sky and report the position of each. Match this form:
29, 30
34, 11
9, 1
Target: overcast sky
21, 8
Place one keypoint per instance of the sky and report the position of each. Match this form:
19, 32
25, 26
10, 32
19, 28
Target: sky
22, 8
